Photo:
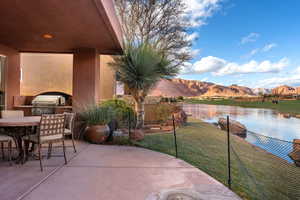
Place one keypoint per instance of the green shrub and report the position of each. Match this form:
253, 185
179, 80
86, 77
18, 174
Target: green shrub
163, 112
98, 115
180, 98
123, 110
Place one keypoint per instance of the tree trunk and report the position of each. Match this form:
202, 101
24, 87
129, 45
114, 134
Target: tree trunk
140, 110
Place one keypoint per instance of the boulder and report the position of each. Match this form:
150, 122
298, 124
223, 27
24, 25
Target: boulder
137, 135
295, 154
286, 115
235, 127
180, 118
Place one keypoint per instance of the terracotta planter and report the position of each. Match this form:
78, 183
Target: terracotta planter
96, 134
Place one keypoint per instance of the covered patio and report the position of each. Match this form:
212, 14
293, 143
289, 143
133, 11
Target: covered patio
108, 172
85, 29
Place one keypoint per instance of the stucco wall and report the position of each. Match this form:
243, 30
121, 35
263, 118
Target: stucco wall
46, 73
107, 78
54, 72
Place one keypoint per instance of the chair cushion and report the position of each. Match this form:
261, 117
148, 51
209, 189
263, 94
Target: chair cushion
4, 138
68, 131
34, 138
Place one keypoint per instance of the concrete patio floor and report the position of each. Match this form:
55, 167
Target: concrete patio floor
107, 172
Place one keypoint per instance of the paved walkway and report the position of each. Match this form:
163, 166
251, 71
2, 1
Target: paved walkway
125, 173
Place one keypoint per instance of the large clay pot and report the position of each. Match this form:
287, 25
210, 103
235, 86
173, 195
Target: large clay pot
96, 134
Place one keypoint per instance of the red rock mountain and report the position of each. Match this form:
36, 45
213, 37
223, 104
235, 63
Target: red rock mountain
190, 88
286, 90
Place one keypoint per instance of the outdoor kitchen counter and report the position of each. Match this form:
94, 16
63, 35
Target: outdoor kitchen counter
28, 109
31, 106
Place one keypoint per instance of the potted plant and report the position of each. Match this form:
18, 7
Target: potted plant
97, 118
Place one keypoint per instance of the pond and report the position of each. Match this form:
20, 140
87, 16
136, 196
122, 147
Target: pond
271, 126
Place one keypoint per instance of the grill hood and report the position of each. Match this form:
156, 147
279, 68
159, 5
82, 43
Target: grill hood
55, 100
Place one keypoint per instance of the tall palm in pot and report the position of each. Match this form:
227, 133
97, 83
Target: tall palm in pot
140, 68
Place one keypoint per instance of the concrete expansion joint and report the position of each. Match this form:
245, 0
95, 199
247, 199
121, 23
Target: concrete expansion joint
22, 196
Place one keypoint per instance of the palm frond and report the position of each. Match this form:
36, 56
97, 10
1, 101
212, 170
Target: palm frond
142, 66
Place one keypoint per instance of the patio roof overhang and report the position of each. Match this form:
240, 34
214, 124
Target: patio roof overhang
60, 26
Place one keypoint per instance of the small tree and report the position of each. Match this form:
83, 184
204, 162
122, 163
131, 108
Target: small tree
140, 68
162, 23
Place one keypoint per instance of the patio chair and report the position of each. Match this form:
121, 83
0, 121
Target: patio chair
51, 130
6, 139
69, 127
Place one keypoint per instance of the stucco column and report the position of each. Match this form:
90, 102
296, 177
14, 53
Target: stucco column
86, 77
12, 75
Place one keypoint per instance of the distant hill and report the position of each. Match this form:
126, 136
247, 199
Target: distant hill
190, 88
286, 90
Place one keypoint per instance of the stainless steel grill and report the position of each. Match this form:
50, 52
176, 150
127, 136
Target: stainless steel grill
45, 104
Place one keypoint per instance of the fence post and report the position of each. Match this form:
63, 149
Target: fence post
228, 154
175, 139
129, 123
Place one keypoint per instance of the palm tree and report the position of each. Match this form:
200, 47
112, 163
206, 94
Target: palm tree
140, 68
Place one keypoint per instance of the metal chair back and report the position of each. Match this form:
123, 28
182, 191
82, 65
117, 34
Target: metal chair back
70, 120
52, 125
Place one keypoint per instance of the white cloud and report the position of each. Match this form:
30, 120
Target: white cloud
252, 67
297, 70
199, 10
195, 52
293, 80
221, 67
252, 37
268, 47
253, 52
186, 68
208, 64
193, 36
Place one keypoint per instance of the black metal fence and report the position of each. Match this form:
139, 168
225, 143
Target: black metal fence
268, 168
259, 167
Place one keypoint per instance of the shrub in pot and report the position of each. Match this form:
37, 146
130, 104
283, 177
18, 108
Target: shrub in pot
97, 118
123, 111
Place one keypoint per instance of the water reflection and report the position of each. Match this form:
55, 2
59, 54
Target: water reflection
261, 123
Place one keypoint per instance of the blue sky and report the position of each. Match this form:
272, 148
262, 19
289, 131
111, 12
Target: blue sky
254, 43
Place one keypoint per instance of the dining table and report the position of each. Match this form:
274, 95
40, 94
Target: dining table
18, 128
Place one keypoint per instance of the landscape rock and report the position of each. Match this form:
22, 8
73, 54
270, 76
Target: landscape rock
180, 119
295, 154
235, 127
137, 135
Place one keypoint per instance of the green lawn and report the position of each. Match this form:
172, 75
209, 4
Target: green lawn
284, 106
256, 173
